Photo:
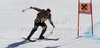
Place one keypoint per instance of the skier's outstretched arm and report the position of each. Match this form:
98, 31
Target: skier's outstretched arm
51, 22
37, 9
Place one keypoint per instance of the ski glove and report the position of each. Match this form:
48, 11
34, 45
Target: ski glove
53, 26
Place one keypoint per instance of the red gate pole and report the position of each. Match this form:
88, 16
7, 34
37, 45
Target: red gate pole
91, 16
78, 17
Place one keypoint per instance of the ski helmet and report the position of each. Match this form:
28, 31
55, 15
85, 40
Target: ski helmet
48, 10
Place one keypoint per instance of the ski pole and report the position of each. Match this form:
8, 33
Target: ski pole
25, 9
50, 32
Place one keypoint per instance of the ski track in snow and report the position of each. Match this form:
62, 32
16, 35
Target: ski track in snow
61, 43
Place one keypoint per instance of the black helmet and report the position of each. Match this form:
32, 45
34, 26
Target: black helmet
48, 10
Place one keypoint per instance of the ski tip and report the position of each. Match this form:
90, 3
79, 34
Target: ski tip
57, 38
34, 40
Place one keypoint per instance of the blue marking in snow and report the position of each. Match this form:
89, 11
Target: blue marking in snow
88, 34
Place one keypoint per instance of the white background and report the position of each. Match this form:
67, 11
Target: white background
14, 24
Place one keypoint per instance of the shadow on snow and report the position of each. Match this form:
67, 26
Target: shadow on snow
66, 42
17, 44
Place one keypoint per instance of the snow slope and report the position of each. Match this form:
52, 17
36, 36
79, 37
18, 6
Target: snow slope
14, 24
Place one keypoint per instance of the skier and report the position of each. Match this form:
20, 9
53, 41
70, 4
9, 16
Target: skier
42, 16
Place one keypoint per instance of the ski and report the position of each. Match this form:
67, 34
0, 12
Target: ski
36, 39
48, 39
30, 40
